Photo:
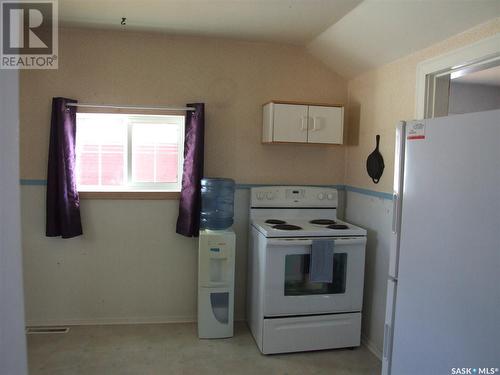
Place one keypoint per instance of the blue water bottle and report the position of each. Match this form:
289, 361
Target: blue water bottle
217, 203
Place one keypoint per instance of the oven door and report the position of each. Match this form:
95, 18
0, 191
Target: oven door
288, 290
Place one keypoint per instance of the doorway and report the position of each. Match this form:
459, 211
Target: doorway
454, 82
472, 88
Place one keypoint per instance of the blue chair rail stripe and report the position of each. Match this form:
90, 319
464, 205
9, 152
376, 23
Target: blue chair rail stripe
373, 193
33, 182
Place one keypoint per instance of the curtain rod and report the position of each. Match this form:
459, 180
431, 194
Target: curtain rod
130, 107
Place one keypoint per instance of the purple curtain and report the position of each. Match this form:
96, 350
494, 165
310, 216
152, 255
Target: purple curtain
188, 222
63, 202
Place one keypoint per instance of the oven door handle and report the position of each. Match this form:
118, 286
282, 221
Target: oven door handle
308, 241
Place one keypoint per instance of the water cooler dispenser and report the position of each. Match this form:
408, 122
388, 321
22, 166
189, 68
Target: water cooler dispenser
216, 283
216, 259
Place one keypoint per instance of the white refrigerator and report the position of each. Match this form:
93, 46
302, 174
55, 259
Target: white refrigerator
443, 297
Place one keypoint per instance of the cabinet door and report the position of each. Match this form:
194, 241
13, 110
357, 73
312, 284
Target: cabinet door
326, 124
290, 123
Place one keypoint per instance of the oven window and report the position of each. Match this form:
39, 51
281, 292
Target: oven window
297, 276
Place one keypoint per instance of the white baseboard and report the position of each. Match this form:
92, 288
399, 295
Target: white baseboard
371, 347
111, 321
116, 321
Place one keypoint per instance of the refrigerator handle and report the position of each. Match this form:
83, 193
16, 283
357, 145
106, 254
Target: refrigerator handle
398, 175
387, 349
386, 341
395, 212
386, 336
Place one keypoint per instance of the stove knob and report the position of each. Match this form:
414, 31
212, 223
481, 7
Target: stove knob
269, 196
260, 196
330, 196
321, 196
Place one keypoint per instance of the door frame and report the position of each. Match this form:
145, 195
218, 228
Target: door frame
477, 53
13, 358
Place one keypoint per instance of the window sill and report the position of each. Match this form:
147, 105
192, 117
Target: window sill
138, 195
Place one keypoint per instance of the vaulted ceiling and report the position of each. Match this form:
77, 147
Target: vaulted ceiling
286, 21
379, 31
351, 36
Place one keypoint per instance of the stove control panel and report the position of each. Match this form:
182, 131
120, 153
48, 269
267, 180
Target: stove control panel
293, 196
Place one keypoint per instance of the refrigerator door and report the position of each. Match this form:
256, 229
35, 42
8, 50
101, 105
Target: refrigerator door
448, 297
388, 327
397, 198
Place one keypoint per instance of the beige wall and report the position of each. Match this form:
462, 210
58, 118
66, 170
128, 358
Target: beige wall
381, 97
130, 265
152, 278
377, 100
233, 78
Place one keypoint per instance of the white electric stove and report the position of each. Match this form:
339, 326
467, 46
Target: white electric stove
287, 312
304, 228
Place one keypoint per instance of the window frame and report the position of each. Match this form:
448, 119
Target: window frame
139, 190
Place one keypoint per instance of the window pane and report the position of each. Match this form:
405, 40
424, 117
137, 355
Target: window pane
101, 150
88, 170
112, 164
166, 168
143, 162
106, 143
155, 153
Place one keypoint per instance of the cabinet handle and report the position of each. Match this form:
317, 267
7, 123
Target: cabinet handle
303, 124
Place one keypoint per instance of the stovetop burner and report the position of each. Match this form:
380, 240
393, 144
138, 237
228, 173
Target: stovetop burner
337, 226
275, 221
287, 227
322, 221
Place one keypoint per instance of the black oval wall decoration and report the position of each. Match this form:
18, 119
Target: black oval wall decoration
375, 163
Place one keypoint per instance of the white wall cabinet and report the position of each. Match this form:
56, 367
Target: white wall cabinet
302, 123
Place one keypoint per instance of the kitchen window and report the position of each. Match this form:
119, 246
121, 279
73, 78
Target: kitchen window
129, 153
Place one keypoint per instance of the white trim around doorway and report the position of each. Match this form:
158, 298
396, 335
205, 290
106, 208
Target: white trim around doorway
477, 52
